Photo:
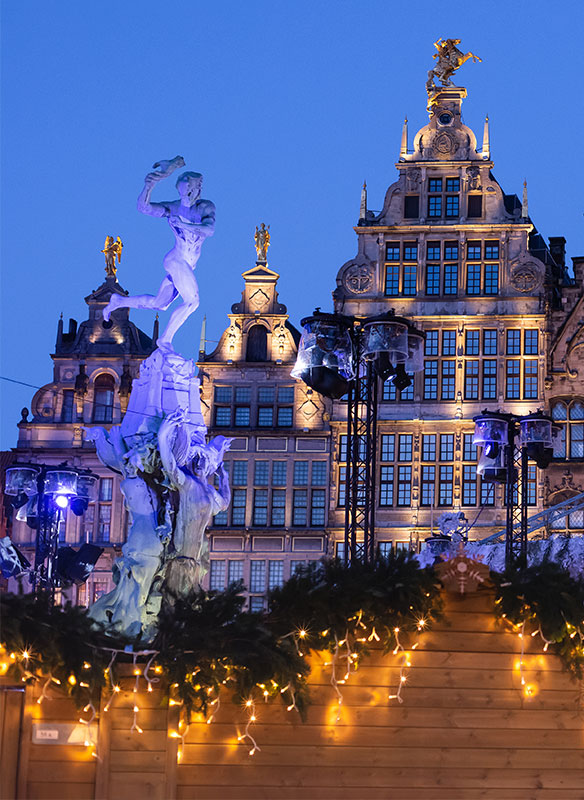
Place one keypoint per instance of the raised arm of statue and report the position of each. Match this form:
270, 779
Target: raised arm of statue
165, 168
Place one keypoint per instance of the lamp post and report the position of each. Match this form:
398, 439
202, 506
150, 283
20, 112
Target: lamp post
509, 443
347, 355
42, 494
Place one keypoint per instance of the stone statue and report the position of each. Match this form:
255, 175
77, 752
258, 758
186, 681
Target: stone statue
450, 58
188, 467
262, 242
112, 251
132, 607
192, 220
160, 446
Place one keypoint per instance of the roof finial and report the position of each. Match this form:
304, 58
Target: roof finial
403, 151
486, 151
524, 206
363, 209
203, 341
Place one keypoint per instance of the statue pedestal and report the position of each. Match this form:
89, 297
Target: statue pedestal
167, 381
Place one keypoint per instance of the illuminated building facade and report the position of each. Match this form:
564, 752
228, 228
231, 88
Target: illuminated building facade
452, 253
93, 369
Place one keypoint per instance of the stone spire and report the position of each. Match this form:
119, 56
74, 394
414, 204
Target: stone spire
403, 151
203, 340
486, 151
524, 206
363, 209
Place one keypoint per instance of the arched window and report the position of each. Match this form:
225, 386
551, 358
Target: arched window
569, 443
257, 344
103, 398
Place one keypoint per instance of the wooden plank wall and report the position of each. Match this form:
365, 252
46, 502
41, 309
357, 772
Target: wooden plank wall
464, 731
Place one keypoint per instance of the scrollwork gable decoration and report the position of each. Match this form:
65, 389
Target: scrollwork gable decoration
526, 274
357, 276
564, 491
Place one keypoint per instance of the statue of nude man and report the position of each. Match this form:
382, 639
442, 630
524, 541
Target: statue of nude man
192, 220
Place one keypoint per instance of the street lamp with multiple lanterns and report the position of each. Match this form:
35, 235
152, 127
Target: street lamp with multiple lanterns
509, 442
41, 495
342, 356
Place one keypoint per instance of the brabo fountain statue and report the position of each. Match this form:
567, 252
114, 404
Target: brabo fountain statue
161, 447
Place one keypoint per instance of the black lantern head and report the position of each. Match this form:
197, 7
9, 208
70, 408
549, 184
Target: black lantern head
325, 360
536, 435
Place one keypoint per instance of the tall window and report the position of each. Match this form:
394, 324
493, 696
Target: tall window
103, 398
104, 509
68, 405
569, 443
401, 274
448, 379
443, 197
521, 372
232, 406
217, 574
471, 380
446, 469
482, 277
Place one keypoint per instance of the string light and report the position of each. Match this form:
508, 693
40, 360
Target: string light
250, 705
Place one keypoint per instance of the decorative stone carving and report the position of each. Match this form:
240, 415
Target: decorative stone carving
413, 176
358, 276
233, 339
445, 144
258, 300
473, 178
526, 276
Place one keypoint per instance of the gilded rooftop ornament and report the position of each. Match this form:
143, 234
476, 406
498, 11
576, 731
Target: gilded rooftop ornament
262, 242
450, 58
112, 250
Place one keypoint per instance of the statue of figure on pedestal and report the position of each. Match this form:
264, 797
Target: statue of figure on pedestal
450, 58
262, 242
112, 251
191, 220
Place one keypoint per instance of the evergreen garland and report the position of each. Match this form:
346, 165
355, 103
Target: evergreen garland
550, 602
208, 641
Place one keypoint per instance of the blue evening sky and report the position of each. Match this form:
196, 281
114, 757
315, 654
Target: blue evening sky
284, 106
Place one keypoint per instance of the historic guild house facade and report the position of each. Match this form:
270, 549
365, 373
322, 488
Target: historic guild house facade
450, 251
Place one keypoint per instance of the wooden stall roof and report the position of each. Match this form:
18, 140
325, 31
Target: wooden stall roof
465, 730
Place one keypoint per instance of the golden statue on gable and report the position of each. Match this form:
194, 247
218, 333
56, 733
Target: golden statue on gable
112, 250
450, 58
262, 242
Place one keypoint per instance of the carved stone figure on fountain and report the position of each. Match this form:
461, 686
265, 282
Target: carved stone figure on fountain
132, 607
188, 466
191, 220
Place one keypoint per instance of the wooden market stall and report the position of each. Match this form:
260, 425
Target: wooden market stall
467, 728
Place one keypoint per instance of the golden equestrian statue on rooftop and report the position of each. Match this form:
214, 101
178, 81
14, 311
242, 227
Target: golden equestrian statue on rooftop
450, 58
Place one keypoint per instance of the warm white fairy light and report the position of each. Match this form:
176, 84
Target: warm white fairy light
250, 706
404, 666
